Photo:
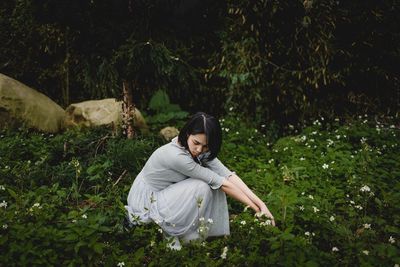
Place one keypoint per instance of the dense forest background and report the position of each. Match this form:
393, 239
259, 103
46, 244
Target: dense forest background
281, 61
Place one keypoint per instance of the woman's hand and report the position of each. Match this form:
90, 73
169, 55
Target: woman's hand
265, 211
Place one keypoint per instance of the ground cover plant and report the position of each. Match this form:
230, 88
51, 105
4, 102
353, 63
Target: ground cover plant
333, 188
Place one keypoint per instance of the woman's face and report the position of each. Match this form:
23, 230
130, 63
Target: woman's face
197, 144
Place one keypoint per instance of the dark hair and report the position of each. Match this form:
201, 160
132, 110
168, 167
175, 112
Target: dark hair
203, 123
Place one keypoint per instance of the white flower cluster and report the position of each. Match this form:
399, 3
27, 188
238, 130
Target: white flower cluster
3, 204
365, 188
224, 252
2, 188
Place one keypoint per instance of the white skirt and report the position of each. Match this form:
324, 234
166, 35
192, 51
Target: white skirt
188, 209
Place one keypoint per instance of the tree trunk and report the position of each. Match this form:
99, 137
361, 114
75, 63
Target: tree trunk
128, 110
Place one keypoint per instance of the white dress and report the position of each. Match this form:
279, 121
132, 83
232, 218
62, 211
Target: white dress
182, 196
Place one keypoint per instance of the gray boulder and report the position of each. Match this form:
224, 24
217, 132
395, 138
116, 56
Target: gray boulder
24, 106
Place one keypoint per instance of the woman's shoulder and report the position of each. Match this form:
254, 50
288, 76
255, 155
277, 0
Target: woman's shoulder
172, 147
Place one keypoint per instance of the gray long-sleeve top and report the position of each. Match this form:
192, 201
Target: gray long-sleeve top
172, 163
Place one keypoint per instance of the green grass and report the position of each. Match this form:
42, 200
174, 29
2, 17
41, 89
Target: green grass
334, 191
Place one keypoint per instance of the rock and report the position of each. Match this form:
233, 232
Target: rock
99, 112
24, 106
168, 133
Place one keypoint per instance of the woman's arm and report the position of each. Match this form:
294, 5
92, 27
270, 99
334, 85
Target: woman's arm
234, 191
253, 197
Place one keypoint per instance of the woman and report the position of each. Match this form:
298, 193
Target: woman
182, 186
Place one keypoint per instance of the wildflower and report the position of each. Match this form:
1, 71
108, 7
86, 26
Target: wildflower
84, 216
37, 205
392, 240
270, 161
5, 226
365, 188
160, 230
366, 252
3, 204
325, 166
301, 207
301, 159
2, 188
367, 226
199, 201
120, 264
223, 254
332, 218
210, 221
243, 222
74, 221
152, 243
307, 233
231, 108
358, 207
310, 197
201, 219
315, 209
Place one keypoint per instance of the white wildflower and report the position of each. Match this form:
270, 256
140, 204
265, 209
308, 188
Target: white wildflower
301, 159
224, 252
325, 166
84, 216
210, 221
367, 225
366, 252
5, 226
120, 264
243, 222
2, 188
270, 161
3, 204
201, 219
358, 207
365, 188
315, 209
310, 197
301, 207
335, 249
392, 240
307, 233
74, 221
332, 218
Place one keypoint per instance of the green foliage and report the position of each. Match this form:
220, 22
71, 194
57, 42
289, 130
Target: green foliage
164, 111
333, 189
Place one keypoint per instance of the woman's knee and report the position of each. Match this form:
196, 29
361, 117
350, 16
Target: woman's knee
202, 188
